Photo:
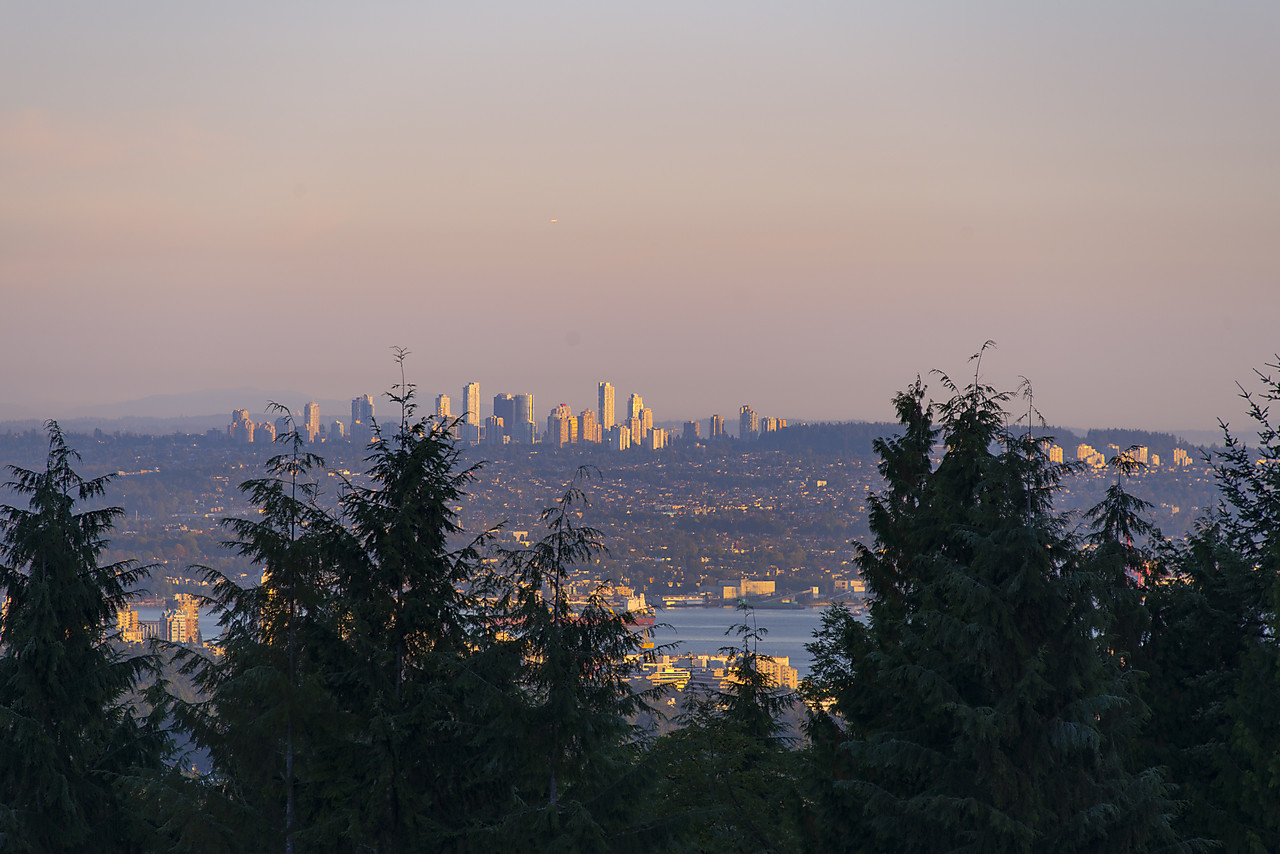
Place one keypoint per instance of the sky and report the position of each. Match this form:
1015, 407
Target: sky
796, 206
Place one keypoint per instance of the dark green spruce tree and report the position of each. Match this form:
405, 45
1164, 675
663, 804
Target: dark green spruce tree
68, 738
979, 709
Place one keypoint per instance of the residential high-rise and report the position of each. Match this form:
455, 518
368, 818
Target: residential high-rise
311, 421
493, 432
182, 623
588, 428
636, 425
242, 427
618, 437
634, 404
442, 406
471, 413
471, 403
717, 427
361, 431
748, 422
692, 432
561, 426
606, 412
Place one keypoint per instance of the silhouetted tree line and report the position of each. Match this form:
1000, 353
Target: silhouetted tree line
1025, 681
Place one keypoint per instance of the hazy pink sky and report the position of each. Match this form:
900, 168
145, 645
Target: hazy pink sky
798, 206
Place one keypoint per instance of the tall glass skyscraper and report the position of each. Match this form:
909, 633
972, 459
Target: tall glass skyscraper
524, 430
504, 407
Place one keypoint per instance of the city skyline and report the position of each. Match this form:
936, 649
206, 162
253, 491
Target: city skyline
799, 206
186, 407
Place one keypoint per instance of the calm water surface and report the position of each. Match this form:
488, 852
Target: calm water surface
702, 630
694, 630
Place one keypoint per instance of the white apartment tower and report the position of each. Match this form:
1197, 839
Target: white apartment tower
471, 404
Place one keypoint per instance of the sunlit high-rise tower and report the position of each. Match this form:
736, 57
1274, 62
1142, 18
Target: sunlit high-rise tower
471, 413
607, 415
635, 405
588, 428
471, 404
562, 426
311, 421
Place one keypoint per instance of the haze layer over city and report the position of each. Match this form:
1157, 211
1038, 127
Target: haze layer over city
795, 206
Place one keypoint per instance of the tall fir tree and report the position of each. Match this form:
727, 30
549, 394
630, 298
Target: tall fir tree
977, 710
68, 735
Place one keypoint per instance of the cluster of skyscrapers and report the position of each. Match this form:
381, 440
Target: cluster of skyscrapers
1140, 454
513, 422
245, 430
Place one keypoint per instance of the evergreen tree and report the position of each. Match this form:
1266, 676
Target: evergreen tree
577, 774
729, 767
1212, 651
977, 710
413, 670
67, 735
268, 712
1121, 557
351, 697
